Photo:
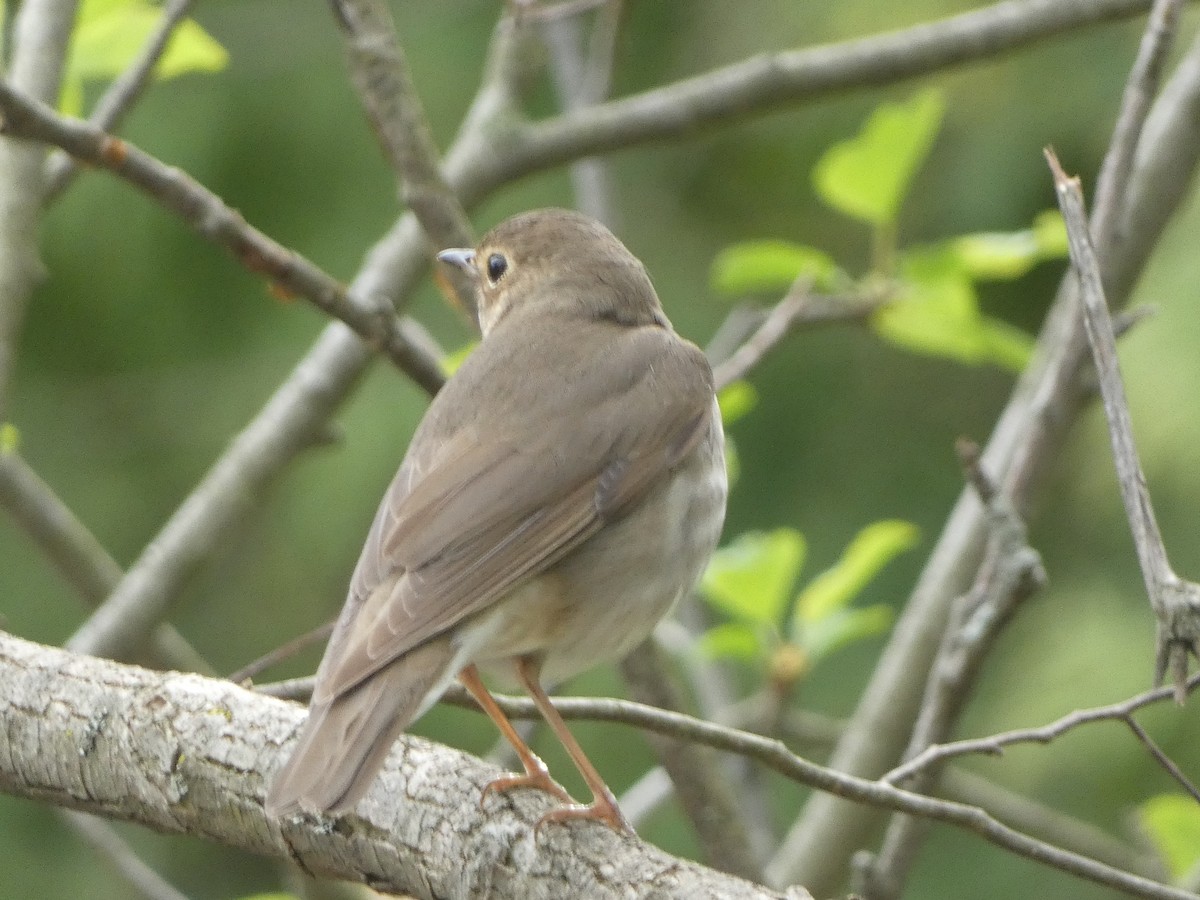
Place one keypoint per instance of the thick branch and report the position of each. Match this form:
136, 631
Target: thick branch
773, 80
187, 754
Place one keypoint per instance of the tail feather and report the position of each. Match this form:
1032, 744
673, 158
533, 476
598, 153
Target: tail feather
346, 739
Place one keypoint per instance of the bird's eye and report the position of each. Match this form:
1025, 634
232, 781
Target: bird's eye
497, 265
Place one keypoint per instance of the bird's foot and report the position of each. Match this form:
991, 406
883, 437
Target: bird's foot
603, 808
536, 776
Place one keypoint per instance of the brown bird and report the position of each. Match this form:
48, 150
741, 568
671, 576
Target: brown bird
565, 488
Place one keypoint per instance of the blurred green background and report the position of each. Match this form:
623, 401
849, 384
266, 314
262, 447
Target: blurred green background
146, 349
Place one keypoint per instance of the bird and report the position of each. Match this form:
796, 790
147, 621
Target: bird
563, 490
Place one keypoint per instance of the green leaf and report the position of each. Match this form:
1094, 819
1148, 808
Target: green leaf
1172, 822
751, 578
872, 548
736, 400
451, 361
867, 176
936, 312
1050, 232
996, 255
770, 267
732, 640
110, 34
1002, 256
844, 627
10, 437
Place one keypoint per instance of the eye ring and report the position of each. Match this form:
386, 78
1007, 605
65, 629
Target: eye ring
497, 265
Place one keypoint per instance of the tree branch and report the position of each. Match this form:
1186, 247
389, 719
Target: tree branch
76, 553
1044, 734
1026, 437
120, 96
380, 73
1010, 573
187, 754
1175, 601
213, 219
773, 80
41, 31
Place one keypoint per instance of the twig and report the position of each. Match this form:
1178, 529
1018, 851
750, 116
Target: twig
582, 82
1010, 573
706, 796
120, 96
380, 73
76, 553
1160, 756
1175, 601
799, 309
995, 744
147, 883
255, 667
1080, 838
1140, 88
208, 214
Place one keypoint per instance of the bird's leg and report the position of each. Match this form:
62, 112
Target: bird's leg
604, 805
536, 774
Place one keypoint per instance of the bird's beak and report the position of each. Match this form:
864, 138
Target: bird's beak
459, 257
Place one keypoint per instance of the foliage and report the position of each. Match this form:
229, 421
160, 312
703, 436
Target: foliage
110, 34
933, 308
1172, 822
751, 581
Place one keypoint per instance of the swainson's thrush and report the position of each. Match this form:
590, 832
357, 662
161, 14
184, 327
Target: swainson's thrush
565, 488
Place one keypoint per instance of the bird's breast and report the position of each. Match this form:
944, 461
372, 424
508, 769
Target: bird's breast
603, 599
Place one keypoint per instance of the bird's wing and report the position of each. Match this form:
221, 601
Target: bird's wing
489, 512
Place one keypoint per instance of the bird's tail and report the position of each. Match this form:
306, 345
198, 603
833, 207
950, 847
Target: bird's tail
346, 739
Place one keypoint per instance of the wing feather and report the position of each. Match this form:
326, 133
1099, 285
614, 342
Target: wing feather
461, 529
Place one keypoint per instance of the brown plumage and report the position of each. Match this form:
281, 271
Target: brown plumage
565, 487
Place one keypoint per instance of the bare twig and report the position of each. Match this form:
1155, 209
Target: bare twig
582, 81
1010, 573
1140, 88
1175, 601
706, 795
1160, 756
995, 744
799, 309
380, 73
255, 667
120, 96
798, 727
373, 320
76, 553
143, 880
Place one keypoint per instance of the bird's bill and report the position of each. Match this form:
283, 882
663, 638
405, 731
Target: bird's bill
459, 257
